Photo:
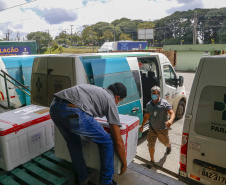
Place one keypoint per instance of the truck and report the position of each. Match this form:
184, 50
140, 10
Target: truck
122, 46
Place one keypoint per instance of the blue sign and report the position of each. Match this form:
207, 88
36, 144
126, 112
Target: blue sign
10, 51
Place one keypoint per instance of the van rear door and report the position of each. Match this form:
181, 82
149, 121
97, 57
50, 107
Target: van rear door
51, 75
207, 132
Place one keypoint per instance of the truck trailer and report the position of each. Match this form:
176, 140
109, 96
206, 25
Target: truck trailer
122, 46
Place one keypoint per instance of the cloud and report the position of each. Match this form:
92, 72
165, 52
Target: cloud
84, 2
2, 5
57, 18
32, 17
186, 5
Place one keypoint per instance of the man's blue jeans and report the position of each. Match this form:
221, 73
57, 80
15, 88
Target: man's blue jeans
73, 122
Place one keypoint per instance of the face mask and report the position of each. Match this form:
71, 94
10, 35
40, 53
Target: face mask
154, 97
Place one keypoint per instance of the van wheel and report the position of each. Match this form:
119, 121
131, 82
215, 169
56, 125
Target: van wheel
180, 110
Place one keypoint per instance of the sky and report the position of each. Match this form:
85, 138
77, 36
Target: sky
20, 17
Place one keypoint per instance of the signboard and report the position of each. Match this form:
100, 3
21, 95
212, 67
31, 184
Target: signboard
145, 34
18, 50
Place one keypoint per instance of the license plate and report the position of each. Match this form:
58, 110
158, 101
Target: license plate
214, 176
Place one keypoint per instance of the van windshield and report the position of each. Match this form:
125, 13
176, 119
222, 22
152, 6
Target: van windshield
211, 114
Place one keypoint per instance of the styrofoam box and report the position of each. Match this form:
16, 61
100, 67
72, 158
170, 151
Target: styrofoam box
24, 134
129, 133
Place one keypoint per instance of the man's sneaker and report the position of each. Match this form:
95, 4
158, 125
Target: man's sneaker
153, 164
168, 150
113, 182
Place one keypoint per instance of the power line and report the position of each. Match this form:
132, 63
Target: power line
17, 5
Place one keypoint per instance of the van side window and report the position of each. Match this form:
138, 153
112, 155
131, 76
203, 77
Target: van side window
211, 113
170, 76
127, 78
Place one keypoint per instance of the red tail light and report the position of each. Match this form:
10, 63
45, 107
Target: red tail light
183, 152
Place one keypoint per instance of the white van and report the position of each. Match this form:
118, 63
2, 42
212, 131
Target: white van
203, 148
138, 71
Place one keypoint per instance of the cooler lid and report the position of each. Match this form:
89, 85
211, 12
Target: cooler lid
18, 119
128, 122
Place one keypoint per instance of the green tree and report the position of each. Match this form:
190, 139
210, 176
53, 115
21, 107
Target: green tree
146, 25
42, 39
222, 33
125, 36
129, 27
89, 35
180, 26
63, 38
107, 35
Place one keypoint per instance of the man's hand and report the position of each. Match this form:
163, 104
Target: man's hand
172, 117
123, 168
145, 119
142, 128
168, 123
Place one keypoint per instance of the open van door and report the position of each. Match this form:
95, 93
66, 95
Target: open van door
125, 70
169, 84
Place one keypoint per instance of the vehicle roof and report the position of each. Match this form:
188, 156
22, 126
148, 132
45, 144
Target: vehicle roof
162, 57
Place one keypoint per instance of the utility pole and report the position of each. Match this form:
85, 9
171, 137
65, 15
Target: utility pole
18, 36
7, 34
195, 28
114, 32
92, 39
164, 36
65, 36
49, 42
71, 33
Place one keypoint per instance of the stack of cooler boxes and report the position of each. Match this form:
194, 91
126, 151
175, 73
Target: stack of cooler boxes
24, 134
129, 133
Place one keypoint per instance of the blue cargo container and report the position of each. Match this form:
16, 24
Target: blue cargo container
123, 46
131, 45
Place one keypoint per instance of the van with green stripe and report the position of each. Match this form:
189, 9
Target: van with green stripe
138, 71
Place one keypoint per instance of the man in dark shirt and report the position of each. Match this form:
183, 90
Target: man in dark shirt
73, 111
159, 123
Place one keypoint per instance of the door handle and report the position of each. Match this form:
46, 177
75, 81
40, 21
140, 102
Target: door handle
135, 109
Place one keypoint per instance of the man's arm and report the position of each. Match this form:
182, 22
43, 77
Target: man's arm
145, 119
172, 117
119, 146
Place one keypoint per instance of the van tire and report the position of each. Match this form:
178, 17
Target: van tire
180, 110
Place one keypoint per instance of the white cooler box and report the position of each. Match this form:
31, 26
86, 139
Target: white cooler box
24, 134
129, 132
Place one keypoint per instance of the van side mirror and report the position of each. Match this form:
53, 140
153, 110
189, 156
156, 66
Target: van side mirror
180, 81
